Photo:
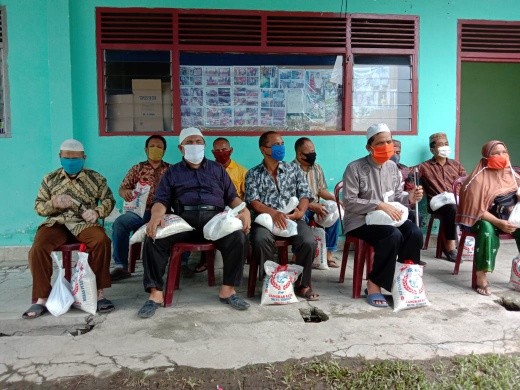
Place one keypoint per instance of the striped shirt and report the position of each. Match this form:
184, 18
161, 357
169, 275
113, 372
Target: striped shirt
436, 178
315, 178
89, 188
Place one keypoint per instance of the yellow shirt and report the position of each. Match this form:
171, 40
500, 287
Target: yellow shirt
237, 173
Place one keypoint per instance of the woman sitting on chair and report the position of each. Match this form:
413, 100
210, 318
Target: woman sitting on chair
491, 178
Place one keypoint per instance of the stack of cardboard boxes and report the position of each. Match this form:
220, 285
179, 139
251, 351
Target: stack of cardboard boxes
142, 110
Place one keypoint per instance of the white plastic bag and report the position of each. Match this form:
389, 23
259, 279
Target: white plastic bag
83, 283
173, 224
468, 249
408, 290
514, 218
291, 205
514, 280
60, 299
291, 229
332, 214
442, 199
320, 255
138, 204
379, 217
223, 223
278, 284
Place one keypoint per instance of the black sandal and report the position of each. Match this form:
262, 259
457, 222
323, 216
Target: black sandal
105, 306
37, 309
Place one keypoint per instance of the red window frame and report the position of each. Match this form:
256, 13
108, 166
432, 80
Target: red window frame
177, 47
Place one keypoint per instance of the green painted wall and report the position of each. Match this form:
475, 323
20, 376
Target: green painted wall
490, 94
52, 76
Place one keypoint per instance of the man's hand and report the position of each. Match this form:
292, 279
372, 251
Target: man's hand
415, 195
279, 219
127, 195
393, 212
62, 201
90, 216
296, 215
245, 217
319, 209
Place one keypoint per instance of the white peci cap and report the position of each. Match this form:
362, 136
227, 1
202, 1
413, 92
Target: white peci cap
377, 128
185, 133
72, 145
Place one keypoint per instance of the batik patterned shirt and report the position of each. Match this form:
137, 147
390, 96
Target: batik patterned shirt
291, 181
145, 172
88, 189
315, 178
436, 178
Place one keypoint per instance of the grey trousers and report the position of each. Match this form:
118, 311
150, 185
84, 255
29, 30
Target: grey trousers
303, 245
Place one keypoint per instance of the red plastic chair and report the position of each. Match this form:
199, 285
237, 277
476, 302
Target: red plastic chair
466, 233
283, 259
133, 254
440, 237
363, 254
172, 281
66, 254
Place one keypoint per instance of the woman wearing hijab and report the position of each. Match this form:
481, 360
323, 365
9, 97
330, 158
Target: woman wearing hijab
492, 177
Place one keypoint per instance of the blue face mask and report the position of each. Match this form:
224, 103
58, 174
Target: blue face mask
72, 166
395, 158
278, 152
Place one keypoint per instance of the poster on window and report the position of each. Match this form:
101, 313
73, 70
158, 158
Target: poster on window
246, 75
218, 116
191, 96
191, 75
192, 116
217, 97
245, 116
292, 78
269, 77
217, 76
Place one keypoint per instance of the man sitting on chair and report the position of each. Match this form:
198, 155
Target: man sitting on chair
196, 189
72, 198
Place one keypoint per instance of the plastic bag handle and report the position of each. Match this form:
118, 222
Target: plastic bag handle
234, 212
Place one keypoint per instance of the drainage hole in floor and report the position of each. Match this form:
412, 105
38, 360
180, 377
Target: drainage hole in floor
82, 330
313, 314
509, 304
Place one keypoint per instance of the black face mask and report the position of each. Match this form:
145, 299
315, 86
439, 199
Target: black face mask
310, 157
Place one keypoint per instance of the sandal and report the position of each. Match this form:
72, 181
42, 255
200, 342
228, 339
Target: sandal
376, 299
37, 309
332, 264
201, 267
235, 302
309, 294
105, 306
484, 290
148, 309
119, 274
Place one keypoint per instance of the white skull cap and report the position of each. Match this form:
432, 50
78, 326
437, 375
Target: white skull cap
185, 133
72, 145
377, 128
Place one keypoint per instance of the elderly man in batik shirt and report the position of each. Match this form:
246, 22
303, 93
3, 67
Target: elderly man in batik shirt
269, 186
437, 175
72, 198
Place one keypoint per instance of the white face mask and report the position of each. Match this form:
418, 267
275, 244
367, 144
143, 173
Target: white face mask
194, 153
444, 151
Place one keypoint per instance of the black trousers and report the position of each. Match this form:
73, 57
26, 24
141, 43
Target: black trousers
447, 214
303, 245
156, 253
389, 242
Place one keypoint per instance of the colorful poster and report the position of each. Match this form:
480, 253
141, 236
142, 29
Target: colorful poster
246, 75
191, 75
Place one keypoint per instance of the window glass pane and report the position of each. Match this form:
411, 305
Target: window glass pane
138, 93
382, 92
248, 92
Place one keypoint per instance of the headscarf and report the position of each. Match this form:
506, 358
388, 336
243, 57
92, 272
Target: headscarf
483, 186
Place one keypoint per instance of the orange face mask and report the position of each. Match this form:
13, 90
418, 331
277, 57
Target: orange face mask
382, 153
499, 161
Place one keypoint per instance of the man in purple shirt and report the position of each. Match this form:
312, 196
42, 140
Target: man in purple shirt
196, 189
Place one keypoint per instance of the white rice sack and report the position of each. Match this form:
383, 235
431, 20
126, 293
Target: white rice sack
83, 284
332, 214
514, 280
173, 224
138, 204
223, 223
379, 217
278, 286
320, 255
408, 289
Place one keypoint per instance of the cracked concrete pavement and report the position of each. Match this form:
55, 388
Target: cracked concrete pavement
199, 331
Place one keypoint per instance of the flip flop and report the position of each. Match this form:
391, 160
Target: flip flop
37, 309
373, 298
105, 306
119, 274
148, 309
484, 290
235, 302
309, 294
332, 264
201, 267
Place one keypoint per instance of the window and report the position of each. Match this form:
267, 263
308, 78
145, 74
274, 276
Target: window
248, 71
5, 119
